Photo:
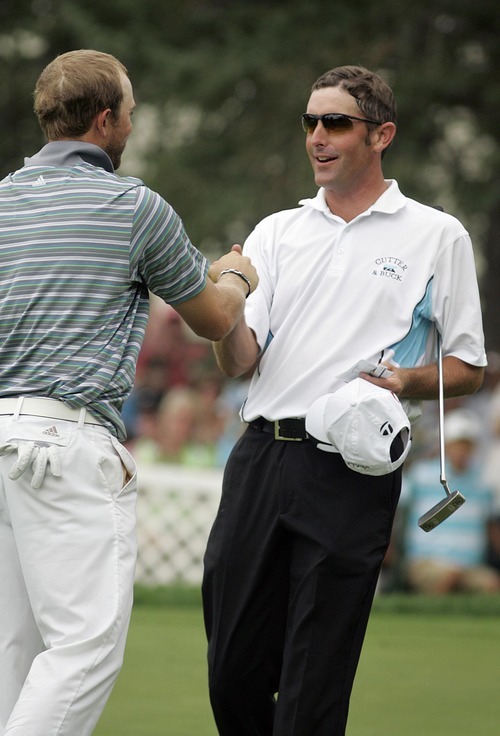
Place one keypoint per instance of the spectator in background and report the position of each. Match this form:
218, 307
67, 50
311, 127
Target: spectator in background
492, 458
452, 557
231, 399
174, 356
210, 417
184, 431
140, 408
172, 428
491, 414
169, 341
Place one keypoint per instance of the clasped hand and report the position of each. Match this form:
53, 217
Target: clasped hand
234, 259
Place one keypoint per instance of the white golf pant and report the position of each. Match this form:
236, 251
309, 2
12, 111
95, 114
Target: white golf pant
67, 561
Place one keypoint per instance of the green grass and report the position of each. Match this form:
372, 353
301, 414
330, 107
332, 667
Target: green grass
162, 689
430, 667
432, 675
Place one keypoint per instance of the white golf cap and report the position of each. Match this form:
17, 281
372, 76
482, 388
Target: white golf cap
366, 424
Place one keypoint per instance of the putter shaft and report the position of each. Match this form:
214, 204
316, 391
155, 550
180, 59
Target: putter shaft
455, 499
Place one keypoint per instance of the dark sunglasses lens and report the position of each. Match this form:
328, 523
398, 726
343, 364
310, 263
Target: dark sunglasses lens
339, 123
309, 123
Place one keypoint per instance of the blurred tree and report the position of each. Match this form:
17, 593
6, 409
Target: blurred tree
221, 85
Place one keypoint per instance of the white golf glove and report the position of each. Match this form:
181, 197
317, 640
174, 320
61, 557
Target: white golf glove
36, 456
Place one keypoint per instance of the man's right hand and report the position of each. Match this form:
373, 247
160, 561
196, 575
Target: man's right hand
234, 259
216, 310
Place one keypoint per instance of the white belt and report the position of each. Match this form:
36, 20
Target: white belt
50, 408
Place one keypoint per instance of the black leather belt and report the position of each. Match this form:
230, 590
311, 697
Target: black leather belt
293, 430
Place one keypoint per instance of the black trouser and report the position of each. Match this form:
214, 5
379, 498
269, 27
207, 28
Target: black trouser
290, 572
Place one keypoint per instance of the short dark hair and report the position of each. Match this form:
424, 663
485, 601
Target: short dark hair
74, 88
373, 95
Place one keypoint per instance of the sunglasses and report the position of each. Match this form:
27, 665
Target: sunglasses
332, 121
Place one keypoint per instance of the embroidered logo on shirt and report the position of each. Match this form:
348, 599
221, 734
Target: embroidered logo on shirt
40, 182
389, 267
51, 431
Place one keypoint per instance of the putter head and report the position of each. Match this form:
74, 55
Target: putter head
441, 511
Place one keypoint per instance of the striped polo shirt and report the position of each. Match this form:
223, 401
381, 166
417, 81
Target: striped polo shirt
80, 248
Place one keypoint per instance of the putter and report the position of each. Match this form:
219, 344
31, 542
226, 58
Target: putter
455, 499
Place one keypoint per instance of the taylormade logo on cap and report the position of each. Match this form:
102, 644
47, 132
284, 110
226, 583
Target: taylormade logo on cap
366, 424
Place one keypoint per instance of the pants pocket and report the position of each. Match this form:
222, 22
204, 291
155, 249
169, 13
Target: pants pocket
128, 464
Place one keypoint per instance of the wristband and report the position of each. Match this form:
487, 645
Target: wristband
241, 275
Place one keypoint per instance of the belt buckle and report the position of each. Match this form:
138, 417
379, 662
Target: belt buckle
279, 436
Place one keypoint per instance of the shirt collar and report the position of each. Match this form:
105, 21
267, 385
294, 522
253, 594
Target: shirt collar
70, 153
390, 201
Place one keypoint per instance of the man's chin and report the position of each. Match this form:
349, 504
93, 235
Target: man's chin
321, 180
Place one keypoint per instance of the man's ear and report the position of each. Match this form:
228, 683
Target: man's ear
383, 136
102, 122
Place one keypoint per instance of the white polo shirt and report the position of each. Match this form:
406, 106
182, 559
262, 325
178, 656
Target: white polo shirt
333, 292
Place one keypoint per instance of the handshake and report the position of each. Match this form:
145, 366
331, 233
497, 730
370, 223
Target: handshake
237, 265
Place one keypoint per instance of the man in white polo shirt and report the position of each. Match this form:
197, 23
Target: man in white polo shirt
358, 273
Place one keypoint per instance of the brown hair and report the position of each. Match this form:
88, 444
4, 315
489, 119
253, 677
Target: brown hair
373, 95
74, 88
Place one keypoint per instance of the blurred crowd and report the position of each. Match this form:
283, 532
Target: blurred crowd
462, 554
183, 410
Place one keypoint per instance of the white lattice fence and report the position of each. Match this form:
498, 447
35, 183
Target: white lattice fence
176, 507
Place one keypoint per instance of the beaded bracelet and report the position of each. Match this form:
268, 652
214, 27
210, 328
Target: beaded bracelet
241, 275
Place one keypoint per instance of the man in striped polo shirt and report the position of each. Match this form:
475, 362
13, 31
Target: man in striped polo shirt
80, 248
